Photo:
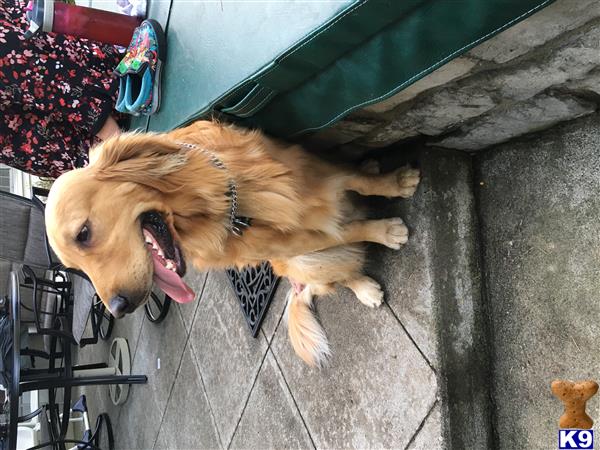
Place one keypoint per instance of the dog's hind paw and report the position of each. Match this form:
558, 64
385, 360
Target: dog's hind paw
395, 233
368, 291
408, 181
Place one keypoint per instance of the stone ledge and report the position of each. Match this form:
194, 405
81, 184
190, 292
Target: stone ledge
449, 72
511, 82
501, 125
556, 19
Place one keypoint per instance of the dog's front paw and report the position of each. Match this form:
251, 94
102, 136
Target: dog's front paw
395, 233
368, 291
408, 181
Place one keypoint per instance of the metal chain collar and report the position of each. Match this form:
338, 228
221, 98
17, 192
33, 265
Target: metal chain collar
237, 224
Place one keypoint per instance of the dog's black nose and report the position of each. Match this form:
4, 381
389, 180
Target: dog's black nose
119, 306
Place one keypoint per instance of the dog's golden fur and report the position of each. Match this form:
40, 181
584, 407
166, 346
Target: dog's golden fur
301, 219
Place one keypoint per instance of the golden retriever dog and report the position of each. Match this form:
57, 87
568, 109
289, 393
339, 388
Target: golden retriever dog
217, 196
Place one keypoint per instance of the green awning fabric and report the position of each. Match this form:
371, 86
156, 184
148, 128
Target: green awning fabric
295, 67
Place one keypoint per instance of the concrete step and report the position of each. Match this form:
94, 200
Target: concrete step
539, 203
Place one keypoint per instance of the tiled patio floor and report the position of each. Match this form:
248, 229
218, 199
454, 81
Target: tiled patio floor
217, 387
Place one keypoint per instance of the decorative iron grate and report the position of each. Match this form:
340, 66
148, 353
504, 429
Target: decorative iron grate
254, 288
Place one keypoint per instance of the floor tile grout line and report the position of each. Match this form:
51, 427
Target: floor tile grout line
196, 360
198, 305
210, 408
421, 425
137, 341
164, 411
180, 314
262, 362
270, 349
294, 399
412, 339
397, 319
312, 441
196, 308
278, 324
187, 339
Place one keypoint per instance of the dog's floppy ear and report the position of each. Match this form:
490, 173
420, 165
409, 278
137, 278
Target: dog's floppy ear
147, 159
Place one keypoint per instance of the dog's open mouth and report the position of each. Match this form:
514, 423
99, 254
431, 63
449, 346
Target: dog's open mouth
169, 265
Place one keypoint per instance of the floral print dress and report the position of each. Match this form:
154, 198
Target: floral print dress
56, 92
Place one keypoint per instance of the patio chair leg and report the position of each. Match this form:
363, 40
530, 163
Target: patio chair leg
101, 365
83, 381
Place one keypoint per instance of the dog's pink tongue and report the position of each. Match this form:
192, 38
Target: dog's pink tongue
171, 283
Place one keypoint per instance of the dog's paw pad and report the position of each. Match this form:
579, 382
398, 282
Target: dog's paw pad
396, 233
369, 292
408, 180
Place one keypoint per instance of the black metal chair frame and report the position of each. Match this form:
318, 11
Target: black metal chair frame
59, 336
55, 441
62, 309
62, 288
57, 376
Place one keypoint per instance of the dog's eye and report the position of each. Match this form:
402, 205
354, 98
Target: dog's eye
84, 235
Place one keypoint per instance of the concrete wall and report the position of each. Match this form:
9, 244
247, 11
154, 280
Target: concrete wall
539, 201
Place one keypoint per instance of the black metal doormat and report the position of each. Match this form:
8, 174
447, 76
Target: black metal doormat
254, 288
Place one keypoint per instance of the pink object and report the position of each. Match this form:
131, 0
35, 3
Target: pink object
171, 283
90, 23
298, 287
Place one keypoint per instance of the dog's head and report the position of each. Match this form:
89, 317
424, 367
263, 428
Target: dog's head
111, 221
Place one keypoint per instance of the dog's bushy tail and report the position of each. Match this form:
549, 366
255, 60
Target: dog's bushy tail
306, 334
